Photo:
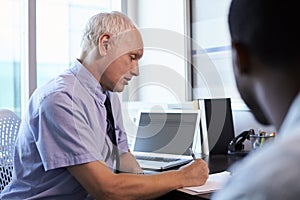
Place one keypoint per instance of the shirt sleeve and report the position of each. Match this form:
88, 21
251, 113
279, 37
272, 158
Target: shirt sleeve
64, 137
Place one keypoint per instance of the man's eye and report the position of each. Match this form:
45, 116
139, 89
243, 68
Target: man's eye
133, 57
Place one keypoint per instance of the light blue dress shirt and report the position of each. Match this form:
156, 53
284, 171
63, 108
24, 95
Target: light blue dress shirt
270, 173
64, 125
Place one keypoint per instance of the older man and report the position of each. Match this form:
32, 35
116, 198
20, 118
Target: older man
72, 137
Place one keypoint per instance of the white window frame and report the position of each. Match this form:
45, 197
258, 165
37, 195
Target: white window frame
28, 57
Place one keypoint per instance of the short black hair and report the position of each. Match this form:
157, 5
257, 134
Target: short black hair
268, 28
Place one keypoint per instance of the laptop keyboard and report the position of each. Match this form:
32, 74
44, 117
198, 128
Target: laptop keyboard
156, 158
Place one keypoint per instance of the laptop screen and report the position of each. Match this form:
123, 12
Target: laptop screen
167, 132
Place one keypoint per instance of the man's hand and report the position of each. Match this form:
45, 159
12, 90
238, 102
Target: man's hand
194, 173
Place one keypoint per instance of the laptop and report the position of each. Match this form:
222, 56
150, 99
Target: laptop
165, 138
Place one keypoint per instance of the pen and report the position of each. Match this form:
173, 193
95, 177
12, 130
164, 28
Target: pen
192, 154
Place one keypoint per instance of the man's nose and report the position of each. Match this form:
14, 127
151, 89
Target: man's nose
135, 70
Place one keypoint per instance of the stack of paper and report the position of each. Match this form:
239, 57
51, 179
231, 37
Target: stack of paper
213, 183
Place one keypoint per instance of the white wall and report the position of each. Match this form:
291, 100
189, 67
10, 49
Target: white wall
163, 66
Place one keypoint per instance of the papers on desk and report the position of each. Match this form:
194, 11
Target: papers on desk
213, 183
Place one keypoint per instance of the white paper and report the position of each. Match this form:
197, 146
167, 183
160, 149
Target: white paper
213, 183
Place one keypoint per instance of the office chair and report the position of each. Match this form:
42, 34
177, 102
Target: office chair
9, 127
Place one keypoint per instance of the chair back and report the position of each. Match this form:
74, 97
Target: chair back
9, 127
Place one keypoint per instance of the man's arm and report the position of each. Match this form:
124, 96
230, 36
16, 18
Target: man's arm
101, 183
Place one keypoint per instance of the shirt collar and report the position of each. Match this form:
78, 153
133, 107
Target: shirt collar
88, 80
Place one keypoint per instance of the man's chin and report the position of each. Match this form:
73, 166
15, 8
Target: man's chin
119, 88
255, 108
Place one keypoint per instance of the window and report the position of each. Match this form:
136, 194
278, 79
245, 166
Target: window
59, 29
55, 42
11, 14
211, 50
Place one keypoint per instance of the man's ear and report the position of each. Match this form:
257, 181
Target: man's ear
103, 44
241, 57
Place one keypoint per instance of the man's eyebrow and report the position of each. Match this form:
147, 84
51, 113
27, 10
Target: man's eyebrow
138, 53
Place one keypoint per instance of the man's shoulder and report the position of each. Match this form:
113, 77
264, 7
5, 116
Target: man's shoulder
55, 90
61, 83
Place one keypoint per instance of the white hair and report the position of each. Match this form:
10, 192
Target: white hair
113, 23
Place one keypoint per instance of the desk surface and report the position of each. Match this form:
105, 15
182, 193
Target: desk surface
216, 163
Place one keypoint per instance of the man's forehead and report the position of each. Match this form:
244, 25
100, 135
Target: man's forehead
128, 41
131, 38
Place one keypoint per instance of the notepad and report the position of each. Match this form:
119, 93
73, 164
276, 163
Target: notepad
213, 183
